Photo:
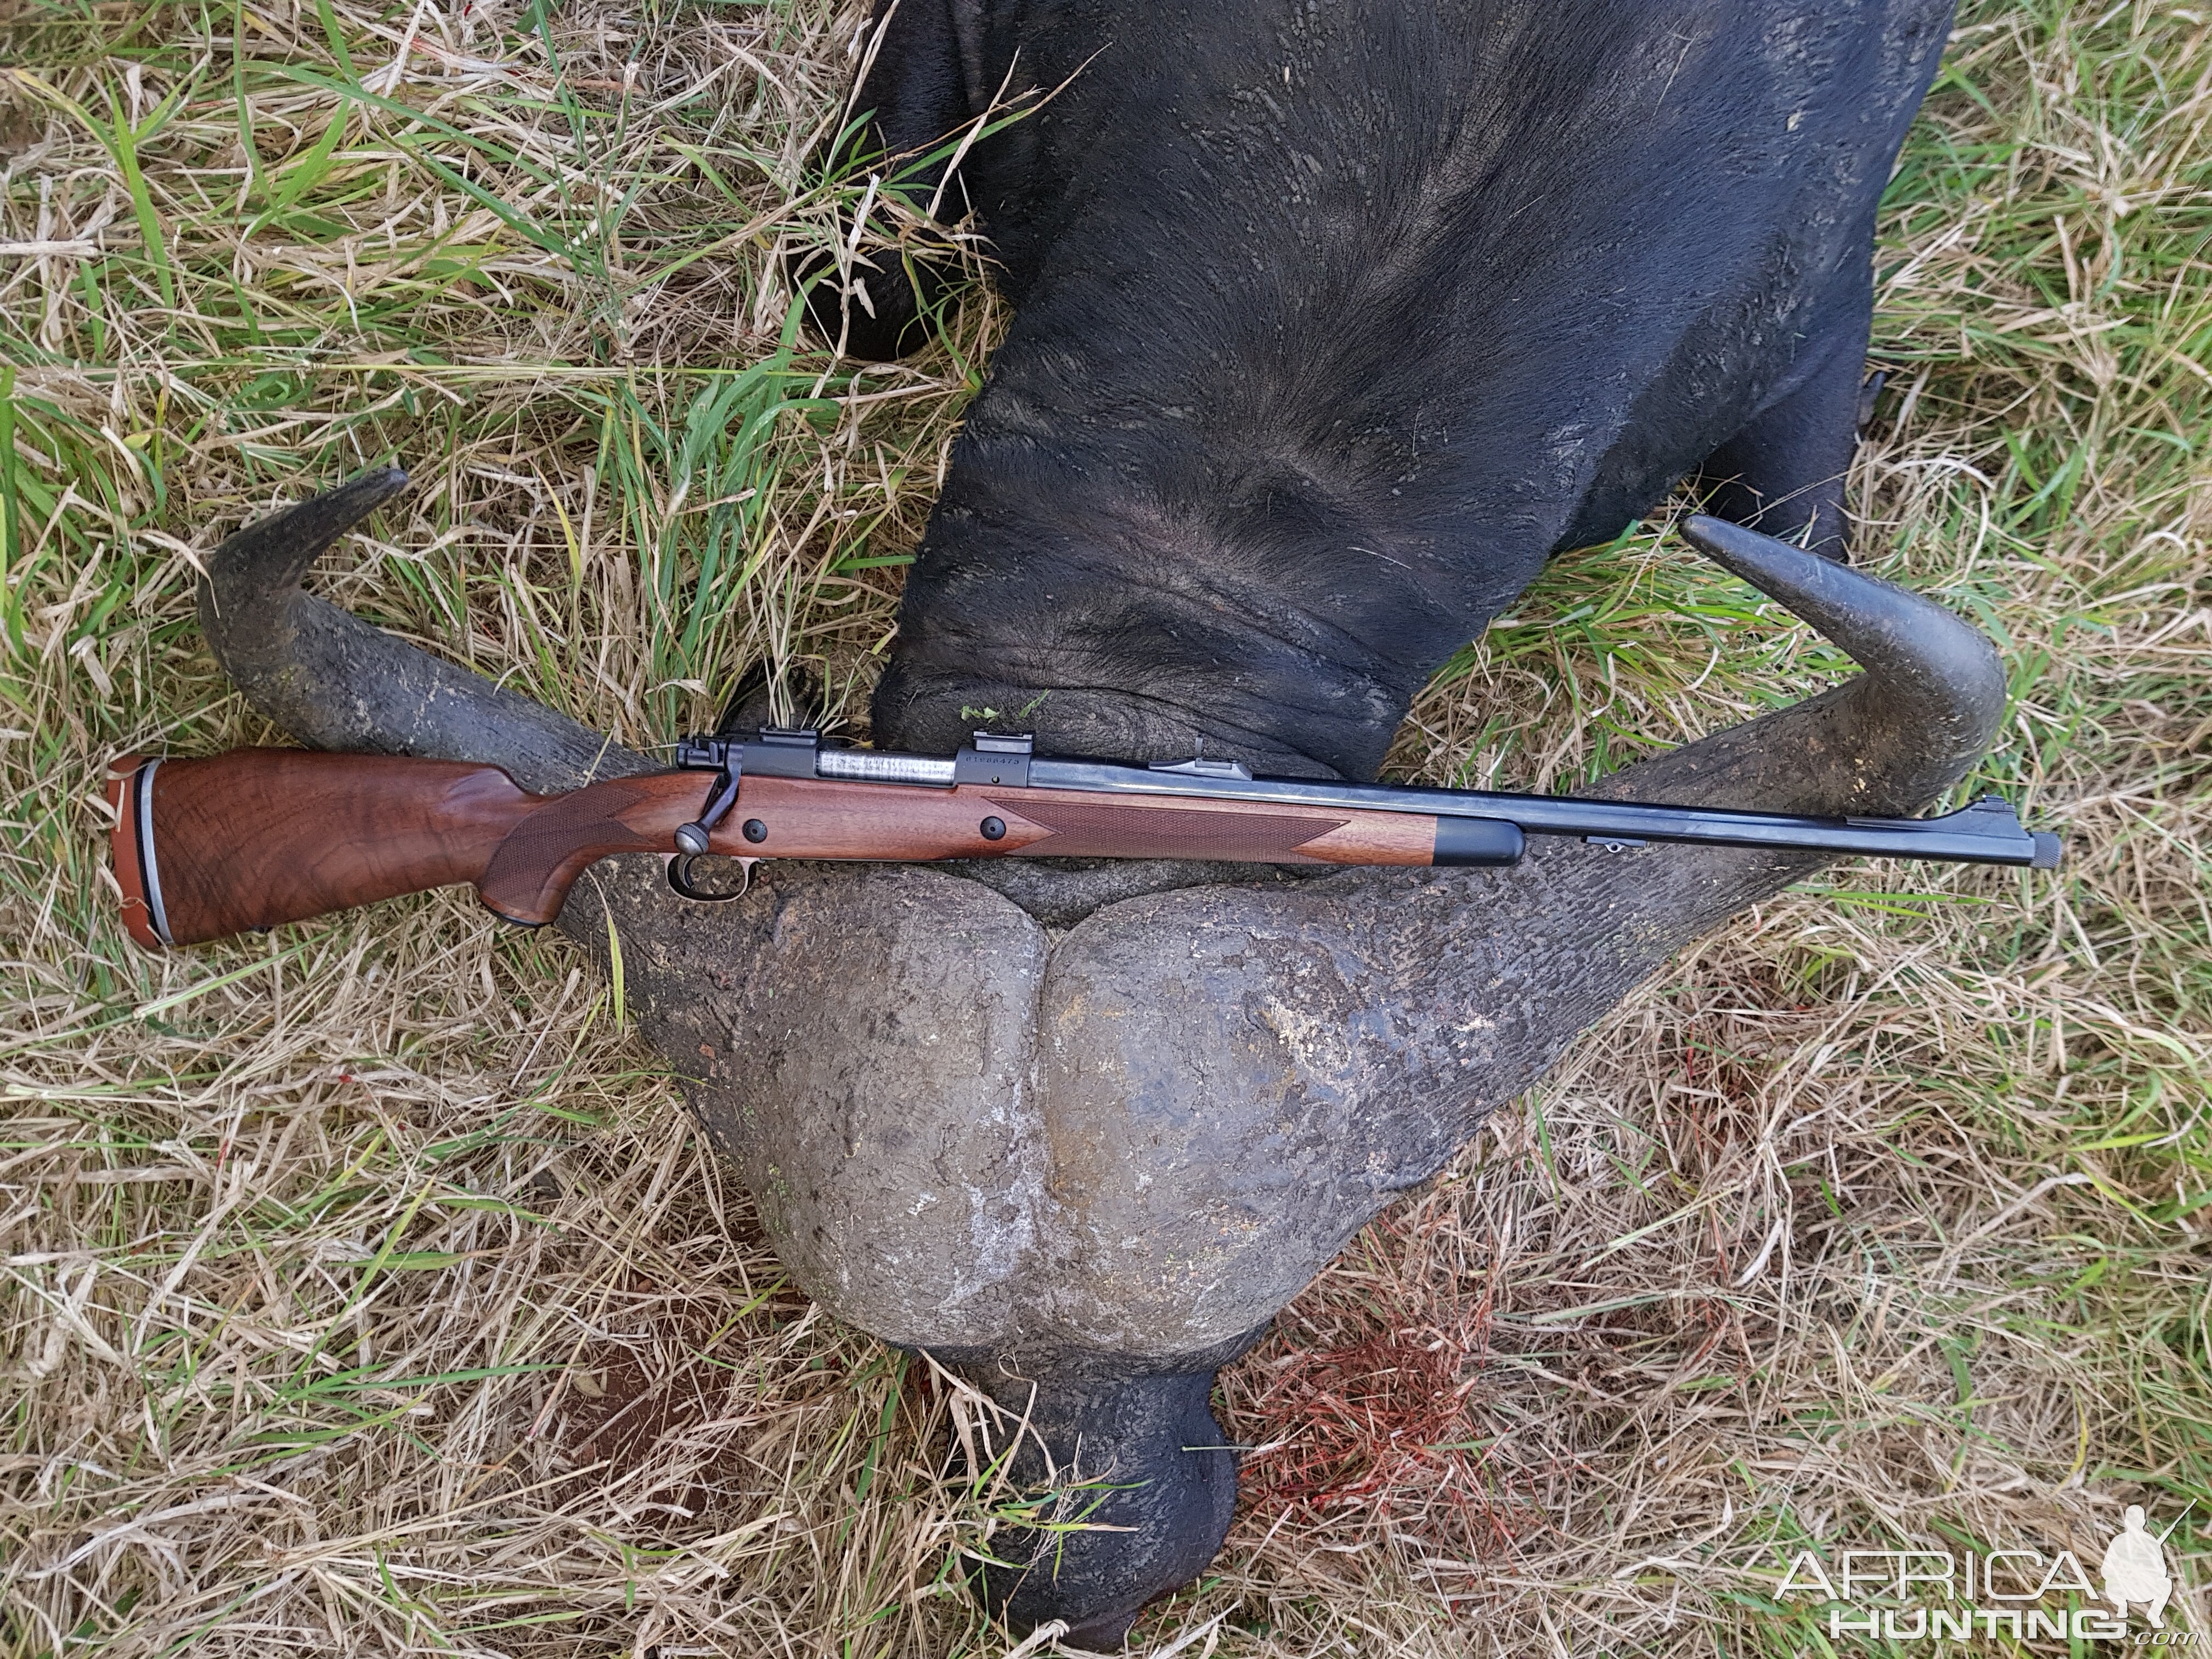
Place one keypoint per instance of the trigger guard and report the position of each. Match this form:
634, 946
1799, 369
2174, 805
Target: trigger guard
678, 868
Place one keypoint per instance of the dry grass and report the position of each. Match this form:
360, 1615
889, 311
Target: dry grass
367, 1289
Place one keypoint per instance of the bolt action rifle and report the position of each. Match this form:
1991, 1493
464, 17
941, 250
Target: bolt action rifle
256, 837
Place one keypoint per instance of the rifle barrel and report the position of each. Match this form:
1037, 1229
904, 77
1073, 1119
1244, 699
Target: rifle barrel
1986, 832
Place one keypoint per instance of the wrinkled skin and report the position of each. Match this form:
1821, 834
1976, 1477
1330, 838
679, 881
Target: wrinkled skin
1331, 325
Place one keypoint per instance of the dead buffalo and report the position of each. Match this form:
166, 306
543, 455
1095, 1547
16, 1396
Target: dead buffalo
1331, 323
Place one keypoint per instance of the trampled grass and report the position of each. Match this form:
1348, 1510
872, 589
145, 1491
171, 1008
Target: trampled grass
367, 1289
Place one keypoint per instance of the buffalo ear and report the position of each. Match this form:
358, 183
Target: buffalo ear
761, 698
333, 682
921, 83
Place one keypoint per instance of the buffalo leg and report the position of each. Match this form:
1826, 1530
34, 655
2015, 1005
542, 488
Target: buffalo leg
1782, 473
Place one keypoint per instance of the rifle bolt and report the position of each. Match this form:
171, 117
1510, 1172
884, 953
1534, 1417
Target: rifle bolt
756, 830
994, 829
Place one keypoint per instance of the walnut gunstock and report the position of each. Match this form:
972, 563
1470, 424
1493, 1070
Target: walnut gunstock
529, 876
257, 837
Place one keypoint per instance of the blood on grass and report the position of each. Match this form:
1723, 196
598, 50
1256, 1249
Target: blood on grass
1360, 1402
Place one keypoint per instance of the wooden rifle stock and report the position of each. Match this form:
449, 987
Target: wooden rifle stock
257, 837
204, 848
529, 874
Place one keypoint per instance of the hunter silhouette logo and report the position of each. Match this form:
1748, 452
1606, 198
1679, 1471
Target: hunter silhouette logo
1903, 1596
2134, 1569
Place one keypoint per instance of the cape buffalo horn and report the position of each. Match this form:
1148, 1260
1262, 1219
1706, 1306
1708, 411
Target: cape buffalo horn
334, 682
1924, 709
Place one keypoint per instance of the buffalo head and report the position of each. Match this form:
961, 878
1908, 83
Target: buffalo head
1078, 1133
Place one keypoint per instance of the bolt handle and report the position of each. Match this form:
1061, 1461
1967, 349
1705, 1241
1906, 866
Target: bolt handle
691, 838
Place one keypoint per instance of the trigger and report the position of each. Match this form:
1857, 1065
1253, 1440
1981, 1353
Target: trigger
679, 879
